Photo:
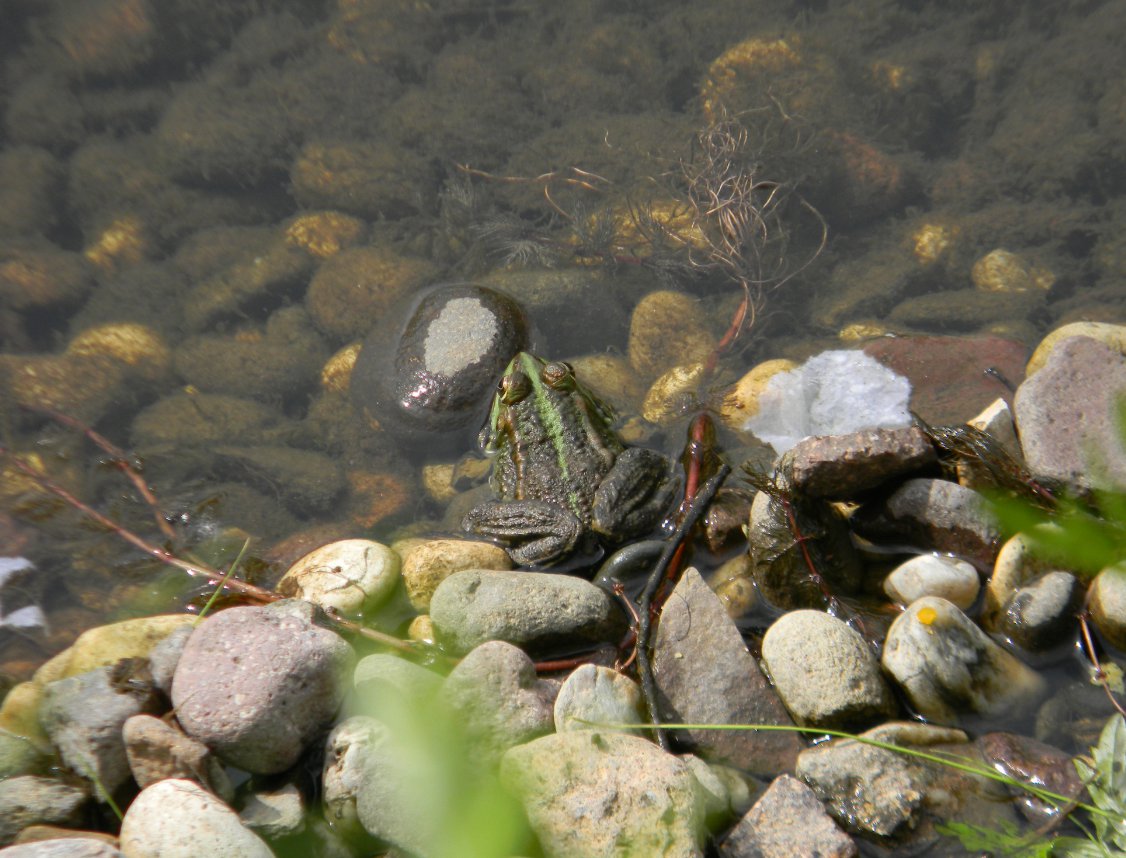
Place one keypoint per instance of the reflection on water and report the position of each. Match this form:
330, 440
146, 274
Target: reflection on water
205, 207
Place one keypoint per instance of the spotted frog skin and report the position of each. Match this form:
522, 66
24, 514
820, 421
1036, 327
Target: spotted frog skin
564, 480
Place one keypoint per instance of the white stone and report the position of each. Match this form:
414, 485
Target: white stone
933, 575
598, 695
350, 576
832, 393
180, 819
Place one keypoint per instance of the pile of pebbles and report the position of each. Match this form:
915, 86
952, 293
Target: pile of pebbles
260, 730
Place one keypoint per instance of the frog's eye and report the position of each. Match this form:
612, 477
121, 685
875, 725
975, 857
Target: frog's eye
513, 388
558, 376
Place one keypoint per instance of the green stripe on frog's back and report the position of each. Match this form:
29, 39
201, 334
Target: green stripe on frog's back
549, 417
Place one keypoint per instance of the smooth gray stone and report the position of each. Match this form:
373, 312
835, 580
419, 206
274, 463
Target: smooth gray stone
84, 716
825, 672
496, 697
32, 800
536, 611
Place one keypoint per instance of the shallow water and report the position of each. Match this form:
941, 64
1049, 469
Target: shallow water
153, 157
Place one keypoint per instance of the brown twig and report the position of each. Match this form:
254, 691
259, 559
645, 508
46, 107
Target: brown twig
645, 603
118, 458
1092, 655
243, 588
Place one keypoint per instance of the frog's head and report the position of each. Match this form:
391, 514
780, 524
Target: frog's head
549, 385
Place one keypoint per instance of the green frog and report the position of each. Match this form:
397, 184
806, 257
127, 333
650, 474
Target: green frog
564, 479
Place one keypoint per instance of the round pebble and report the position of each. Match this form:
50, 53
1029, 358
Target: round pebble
426, 374
824, 671
180, 819
933, 575
350, 576
257, 684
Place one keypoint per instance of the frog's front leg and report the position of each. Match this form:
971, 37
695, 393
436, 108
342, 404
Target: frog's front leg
633, 495
536, 533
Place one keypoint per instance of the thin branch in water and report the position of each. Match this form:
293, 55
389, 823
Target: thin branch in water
645, 604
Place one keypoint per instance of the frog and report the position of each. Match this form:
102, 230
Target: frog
565, 483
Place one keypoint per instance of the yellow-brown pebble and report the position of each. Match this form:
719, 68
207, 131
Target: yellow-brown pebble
1110, 335
742, 401
1002, 271
324, 234
337, 371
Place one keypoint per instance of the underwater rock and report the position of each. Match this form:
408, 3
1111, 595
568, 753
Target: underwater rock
426, 374
352, 290
782, 574
652, 349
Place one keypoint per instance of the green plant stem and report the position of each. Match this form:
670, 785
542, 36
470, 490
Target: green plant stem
222, 583
950, 761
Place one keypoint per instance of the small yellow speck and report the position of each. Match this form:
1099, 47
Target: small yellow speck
926, 616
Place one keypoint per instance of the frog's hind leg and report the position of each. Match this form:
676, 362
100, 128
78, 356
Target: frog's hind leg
535, 533
634, 495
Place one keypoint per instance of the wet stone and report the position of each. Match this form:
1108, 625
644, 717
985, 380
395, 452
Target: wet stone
933, 575
933, 515
787, 821
427, 379
1041, 614
781, 573
841, 466
946, 664
1028, 760
886, 794
705, 675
